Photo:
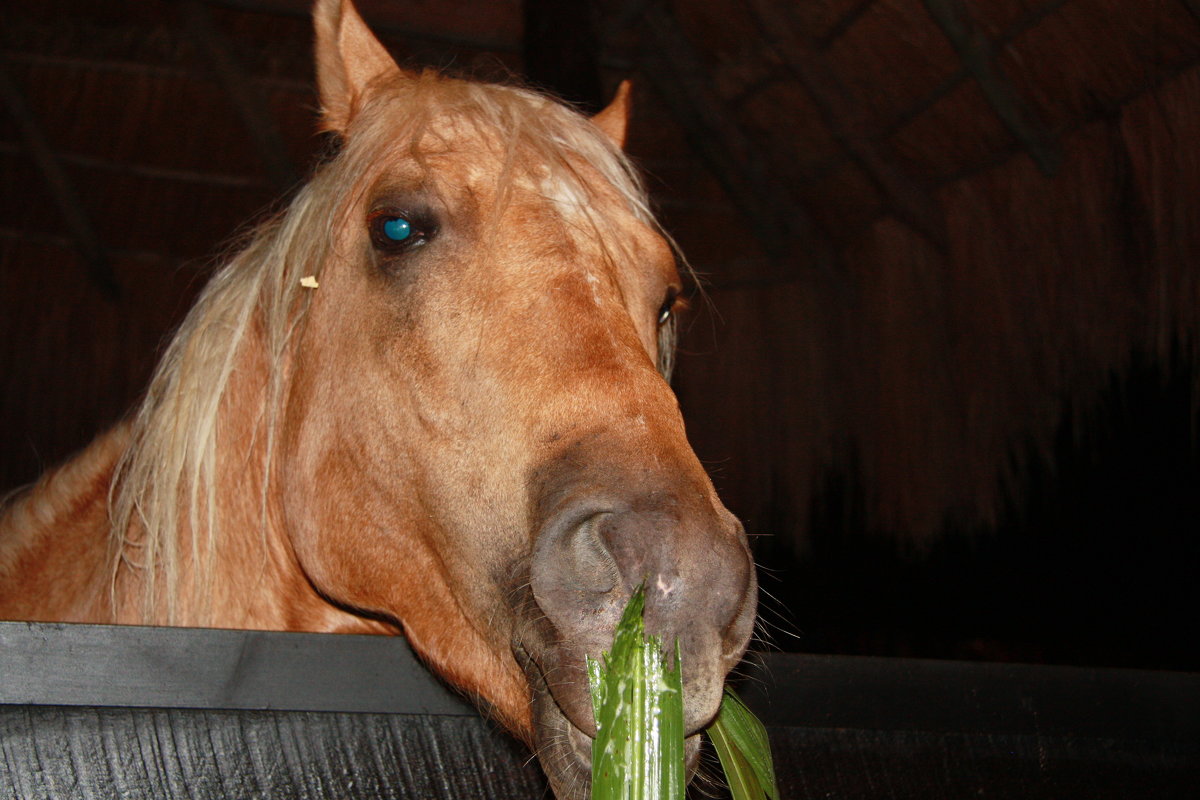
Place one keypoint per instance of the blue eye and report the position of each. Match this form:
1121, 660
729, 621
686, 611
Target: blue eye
393, 232
397, 228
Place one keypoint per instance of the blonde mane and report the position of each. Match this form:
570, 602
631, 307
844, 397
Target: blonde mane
166, 515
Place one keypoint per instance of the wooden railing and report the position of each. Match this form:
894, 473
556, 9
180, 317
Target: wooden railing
92, 711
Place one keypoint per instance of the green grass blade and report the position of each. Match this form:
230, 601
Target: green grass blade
674, 777
745, 751
739, 775
638, 702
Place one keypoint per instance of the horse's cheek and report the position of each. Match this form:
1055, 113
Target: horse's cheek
363, 549
343, 542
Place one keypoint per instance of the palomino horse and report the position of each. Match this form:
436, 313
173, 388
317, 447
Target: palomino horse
427, 398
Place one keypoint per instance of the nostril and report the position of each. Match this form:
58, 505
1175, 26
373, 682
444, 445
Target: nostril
573, 565
594, 565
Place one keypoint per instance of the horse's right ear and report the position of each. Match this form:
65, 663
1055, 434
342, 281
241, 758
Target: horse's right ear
614, 118
349, 59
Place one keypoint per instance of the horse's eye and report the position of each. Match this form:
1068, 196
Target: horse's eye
668, 307
397, 229
393, 233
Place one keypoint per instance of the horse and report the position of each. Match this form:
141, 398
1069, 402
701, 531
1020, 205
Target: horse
427, 398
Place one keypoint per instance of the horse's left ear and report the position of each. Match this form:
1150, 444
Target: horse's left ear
614, 119
349, 60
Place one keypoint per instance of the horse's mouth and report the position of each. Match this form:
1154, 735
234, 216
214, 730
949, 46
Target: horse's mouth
564, 750
566, 757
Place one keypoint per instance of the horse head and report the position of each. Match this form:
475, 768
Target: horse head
477, 440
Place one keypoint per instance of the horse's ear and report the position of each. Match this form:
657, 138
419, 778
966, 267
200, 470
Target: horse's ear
349, 59
614, 119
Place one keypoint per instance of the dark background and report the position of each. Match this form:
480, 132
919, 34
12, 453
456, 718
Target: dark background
943, 362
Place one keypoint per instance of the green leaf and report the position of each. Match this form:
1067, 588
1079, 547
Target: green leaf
744, 750
638, 703
739, 776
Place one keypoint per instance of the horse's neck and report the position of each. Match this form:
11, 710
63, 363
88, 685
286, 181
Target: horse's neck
256, 581
55, 561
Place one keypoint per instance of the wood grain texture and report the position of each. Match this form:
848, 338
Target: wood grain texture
855, 764
882, 694
94, 712
53, 753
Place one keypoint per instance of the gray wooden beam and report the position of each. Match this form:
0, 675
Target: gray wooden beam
71, 753
125, 665
978, 57
105, 711
908, 201
246, 101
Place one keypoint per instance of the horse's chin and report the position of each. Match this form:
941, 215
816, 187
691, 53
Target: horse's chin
565, 751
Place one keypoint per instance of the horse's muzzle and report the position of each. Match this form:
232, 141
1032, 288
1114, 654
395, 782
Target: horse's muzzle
699, 588
596, 545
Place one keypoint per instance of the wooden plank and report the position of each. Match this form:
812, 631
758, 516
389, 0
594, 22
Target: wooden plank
133, 754
843, 116
67, 753
858, 764
114, 665
864, 728
978, 698
103, 665
977, 54
840, 726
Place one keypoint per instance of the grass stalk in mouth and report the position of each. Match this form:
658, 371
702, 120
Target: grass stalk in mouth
637, 698
638, 702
